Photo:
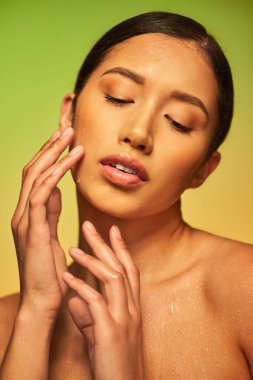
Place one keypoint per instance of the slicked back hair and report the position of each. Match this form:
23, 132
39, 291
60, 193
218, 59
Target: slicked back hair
179, 27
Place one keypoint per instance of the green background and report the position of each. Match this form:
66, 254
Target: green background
43, 43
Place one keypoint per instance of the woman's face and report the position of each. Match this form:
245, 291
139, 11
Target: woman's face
165, 120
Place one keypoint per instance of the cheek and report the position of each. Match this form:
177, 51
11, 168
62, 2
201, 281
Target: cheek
91, 131
93, 126
83, 127
180, 158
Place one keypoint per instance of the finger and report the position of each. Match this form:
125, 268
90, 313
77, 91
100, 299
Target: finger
43, 161
53, 210
54, 137
39, 197
97, 306
114, 283
35, 209
126, 260
81, 315
50, 149
105, 253
61, 166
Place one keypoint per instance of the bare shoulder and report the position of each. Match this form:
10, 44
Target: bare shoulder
8, 310
228, 265
228, 272
229, 259
223, 253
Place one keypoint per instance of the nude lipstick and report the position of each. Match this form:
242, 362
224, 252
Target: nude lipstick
123, 170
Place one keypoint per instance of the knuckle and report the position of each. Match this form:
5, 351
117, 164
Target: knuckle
27, 171
96, 297
117, 277
14, 223
33, 202
53, 145
45, 181
120, 268
37, 182
40, 182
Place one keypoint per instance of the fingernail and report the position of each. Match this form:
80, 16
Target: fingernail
116, 232
67, 275
76, 150
76, 250
66, 132
90, 227
55, 136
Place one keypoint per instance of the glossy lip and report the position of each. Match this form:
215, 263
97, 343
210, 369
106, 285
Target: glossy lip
128, 162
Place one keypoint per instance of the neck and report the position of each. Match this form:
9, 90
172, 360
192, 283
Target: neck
151, 240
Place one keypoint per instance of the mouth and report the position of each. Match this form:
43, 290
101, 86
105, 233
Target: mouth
123, 170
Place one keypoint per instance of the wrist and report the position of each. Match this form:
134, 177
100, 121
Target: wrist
43, 307
35, 315
33, 329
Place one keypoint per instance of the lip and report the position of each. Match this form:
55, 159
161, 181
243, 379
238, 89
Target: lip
120, 177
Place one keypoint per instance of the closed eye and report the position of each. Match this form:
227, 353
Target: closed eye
117, 101
177, 126
174, 124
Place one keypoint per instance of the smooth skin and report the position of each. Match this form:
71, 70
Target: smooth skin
164, 301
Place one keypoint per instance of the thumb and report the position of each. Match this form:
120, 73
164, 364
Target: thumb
81, 315
53, 214
53, 211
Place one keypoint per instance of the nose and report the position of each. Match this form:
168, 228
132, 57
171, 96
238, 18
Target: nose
137, 135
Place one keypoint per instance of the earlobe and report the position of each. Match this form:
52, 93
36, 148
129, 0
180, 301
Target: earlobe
205, 170
66, 112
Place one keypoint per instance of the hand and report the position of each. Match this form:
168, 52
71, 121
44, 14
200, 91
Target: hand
34, 225
111, 324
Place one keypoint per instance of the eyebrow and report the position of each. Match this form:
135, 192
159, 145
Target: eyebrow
190, 99
140, 80
137, 78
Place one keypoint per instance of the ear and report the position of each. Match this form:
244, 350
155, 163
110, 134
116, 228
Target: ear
66, 112
205, 170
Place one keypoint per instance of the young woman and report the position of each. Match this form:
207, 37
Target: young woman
147, 297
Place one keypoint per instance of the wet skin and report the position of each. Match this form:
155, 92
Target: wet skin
195, 287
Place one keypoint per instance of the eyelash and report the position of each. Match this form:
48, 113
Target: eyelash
116, 101
175, 125
179, 127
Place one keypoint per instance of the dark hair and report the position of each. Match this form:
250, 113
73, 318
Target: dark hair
180, 27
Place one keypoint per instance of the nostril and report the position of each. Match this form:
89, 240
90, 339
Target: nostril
139, 146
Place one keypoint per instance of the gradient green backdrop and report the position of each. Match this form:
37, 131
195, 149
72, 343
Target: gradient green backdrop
42, 46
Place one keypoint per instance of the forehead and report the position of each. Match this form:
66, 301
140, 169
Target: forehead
166, 62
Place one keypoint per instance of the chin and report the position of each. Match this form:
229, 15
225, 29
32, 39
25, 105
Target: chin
109, 203
120, 205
